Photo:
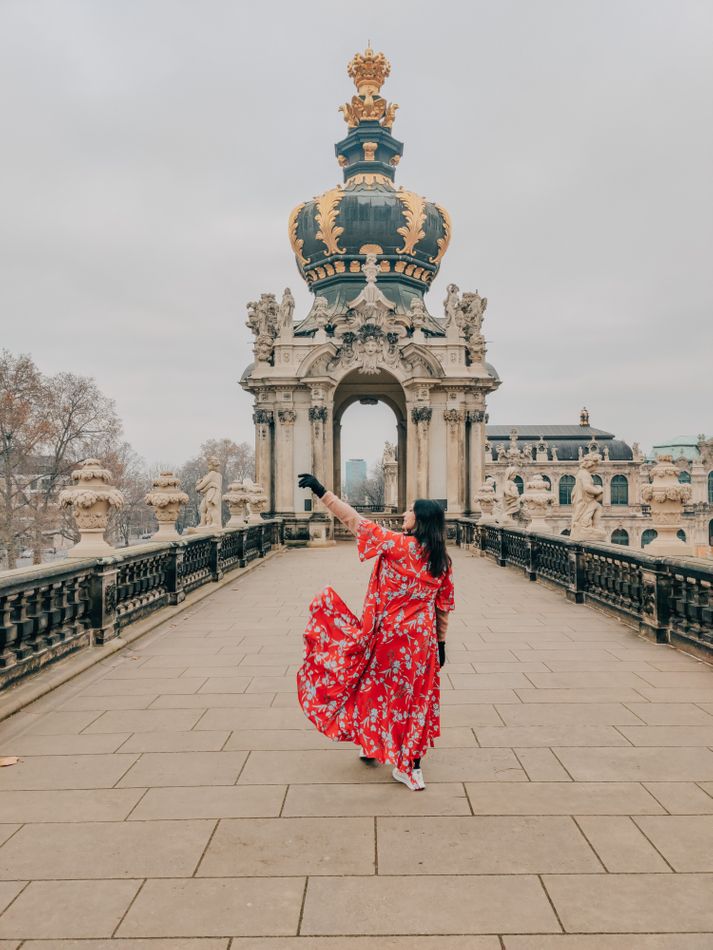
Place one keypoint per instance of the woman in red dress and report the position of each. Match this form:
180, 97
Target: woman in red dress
375, 680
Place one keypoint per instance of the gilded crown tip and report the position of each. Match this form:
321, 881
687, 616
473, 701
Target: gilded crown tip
369, 70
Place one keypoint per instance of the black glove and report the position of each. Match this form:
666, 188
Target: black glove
309, 481
441, 652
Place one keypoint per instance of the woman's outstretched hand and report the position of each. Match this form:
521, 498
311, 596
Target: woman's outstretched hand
441, 652
309, 481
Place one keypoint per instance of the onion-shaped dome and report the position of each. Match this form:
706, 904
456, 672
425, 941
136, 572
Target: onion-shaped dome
332, 234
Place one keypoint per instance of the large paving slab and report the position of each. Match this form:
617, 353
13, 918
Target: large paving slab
175, 797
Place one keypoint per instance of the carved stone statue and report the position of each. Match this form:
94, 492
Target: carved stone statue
450, 304
389, 452
586, 502
390, 475
287, 309
264, 321
210, 486
470, 312
536, 502
510, 501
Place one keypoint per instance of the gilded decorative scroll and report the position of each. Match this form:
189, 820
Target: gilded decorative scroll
296, 242
415, 214
327, 210
444, 241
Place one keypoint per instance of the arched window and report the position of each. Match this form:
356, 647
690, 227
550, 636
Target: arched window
597, 479
620, 491
546, 478
520, 484
648, 536
681, 534
619, 536
684, 477
566, 486
710, 488
710, 532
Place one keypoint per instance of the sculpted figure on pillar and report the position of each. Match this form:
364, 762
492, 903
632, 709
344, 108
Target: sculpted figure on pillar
510, 501
210, 486
287, 309
264, 321
450, 304
586, 502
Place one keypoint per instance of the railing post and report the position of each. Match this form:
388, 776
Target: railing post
655, 603
242, 534
502, 561
102, 602
576, 584
174, 581
216, 543
532, 558
261, 541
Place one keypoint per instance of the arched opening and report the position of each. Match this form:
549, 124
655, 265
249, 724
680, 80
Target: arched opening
546, 478
566, 486
681, 534
684, 477
620, 492
360, 433
620, 536
648, 536
710, 488
566, 533
710, 532
520, 484
597, 479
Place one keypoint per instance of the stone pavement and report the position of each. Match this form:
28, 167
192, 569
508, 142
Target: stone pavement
175, 797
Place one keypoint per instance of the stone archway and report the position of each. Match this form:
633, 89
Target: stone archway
381, 387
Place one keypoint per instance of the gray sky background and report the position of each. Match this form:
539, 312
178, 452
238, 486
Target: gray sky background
153, 149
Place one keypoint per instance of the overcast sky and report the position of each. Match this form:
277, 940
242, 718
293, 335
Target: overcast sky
152, 151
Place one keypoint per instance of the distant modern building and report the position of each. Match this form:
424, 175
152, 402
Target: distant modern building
354, 478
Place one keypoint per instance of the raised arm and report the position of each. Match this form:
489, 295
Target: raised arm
340, 509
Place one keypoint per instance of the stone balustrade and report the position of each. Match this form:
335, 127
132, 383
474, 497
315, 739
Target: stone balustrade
668, 599
51, 610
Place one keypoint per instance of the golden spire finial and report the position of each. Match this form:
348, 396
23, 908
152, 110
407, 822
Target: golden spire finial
369, 71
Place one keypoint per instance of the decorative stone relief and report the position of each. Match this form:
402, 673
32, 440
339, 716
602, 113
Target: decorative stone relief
264, 321
667, 496
421, 414
586, 502
166, 499
92, 497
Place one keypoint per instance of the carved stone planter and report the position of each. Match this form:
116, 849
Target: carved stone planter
536, 501
91, 498
667, 496
166, 499
237, 500
485, 500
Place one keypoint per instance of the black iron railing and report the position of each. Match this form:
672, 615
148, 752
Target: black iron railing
51, 610
668, 599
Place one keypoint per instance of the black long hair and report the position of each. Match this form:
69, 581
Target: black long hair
430, 532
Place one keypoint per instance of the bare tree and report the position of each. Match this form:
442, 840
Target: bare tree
237, 461
374, 486
131, 477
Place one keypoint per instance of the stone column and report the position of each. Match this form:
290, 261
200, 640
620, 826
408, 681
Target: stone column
284, 461
421, 417
318, 420
455, 459
476, 456
263, 419
337, 458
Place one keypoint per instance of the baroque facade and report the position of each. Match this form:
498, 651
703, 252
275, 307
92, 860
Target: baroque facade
554, 452
369, 252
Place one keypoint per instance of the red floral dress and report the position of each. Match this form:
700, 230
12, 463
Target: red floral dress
375, 680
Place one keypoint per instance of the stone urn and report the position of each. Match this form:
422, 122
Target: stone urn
486, 500
667, 496
166, 499
237, 499
536, 501
92, 498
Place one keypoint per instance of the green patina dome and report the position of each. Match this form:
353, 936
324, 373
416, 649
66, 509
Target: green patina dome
332, 234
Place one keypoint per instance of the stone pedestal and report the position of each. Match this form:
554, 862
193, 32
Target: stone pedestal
667, 496
485, 500
166, 499
91, 498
